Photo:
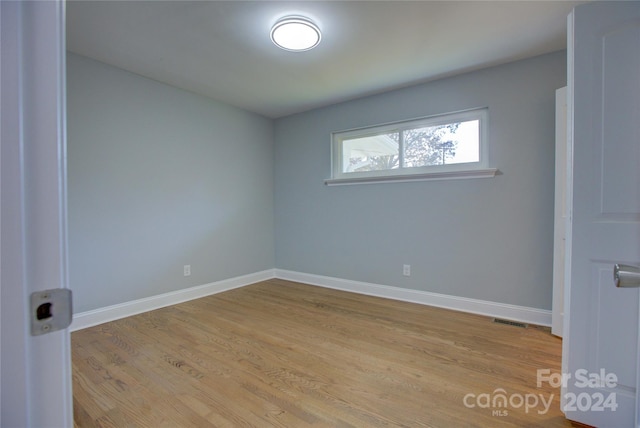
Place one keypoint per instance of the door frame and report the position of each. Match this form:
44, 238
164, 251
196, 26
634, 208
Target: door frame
560, 213
35, 370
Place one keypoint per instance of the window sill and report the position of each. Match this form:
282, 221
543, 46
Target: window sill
430, 176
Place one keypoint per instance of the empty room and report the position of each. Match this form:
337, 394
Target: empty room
332, 213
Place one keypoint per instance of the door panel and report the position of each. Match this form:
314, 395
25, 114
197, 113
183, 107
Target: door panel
602, 328
620, 106
607, 328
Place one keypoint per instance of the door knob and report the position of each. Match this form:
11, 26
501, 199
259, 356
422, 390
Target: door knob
626, 276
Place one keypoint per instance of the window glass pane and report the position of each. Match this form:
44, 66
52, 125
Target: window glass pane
452, 143
373, 153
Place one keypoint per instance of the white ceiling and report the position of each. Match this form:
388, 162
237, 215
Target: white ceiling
222, 49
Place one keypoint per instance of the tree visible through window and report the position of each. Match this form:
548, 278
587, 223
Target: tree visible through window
411, 147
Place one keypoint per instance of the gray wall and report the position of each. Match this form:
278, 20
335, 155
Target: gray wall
160, 178
489, 239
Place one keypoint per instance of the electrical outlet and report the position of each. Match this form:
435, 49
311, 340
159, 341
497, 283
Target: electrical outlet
406, 270
187, 270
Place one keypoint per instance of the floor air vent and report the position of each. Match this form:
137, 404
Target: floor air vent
513, 323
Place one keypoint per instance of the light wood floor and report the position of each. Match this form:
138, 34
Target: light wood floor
284, 354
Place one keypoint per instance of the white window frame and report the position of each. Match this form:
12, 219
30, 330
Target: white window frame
480, 169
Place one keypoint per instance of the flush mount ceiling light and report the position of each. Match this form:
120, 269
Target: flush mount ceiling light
295, 33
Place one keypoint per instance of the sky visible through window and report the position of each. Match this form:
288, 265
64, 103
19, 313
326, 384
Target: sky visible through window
468, 147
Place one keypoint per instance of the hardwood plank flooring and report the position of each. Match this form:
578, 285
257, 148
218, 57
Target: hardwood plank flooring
284, 354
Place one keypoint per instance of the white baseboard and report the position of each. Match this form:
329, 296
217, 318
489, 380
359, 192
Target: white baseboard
482, 307
122, 310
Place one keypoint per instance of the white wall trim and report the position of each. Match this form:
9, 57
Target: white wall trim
482, 307
122, 310
464, 304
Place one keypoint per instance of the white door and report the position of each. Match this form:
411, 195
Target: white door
36, 370
601, 335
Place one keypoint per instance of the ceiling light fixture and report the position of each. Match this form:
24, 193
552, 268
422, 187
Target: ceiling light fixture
295, 33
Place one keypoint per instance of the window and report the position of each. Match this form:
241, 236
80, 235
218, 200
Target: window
447, 146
